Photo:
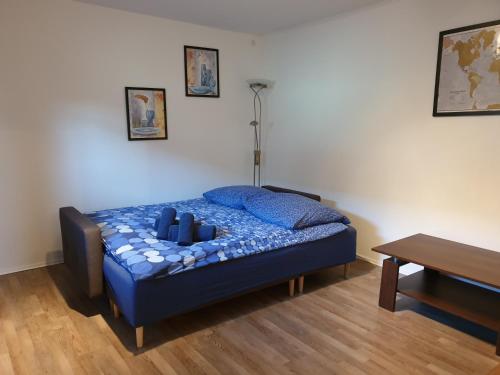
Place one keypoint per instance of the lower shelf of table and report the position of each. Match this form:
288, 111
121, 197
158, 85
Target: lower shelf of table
471, 302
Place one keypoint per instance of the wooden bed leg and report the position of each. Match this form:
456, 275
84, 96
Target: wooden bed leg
139, 337
114, 307
291, 287
346, 270
301, 284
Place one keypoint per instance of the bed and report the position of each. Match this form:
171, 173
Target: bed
115, 252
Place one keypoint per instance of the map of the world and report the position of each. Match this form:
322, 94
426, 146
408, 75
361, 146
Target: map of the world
470, 71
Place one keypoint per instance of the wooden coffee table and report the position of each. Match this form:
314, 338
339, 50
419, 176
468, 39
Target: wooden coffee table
445, 281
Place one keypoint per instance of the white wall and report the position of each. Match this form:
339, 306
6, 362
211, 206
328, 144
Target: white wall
350, 117
63, 140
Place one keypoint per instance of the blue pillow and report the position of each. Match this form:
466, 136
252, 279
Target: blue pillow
292, 211
233, 196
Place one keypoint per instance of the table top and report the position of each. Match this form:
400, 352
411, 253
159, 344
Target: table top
454, 258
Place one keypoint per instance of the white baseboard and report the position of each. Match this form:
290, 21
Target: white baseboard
26, 267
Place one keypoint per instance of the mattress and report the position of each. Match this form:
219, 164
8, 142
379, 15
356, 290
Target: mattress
130, 239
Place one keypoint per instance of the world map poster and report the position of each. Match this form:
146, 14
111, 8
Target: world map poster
468, 71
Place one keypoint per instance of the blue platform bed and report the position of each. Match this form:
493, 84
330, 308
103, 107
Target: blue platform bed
147, 280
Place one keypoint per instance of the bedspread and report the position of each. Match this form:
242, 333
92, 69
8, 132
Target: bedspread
129, 237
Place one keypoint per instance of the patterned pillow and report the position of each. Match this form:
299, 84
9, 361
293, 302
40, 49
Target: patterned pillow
292, 211
233, 196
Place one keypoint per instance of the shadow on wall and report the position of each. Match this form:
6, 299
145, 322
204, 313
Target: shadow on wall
54, 257
368, 235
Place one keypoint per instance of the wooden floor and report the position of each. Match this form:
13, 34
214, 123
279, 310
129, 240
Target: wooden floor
335, 327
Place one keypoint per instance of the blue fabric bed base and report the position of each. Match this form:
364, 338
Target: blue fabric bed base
147, 301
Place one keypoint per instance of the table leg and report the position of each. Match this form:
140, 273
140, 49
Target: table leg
389, 284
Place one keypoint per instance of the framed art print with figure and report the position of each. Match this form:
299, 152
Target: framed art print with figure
201, 67
146, 113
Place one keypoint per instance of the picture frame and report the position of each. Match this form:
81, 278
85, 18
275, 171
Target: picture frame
201, 69
468, 71
146, 113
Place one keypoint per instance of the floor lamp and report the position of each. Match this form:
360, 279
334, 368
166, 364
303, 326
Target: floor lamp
257, 85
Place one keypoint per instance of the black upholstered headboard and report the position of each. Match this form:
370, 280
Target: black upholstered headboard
284, 190
82, 248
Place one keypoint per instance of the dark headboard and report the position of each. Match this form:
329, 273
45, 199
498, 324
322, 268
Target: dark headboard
283, 190
82, 248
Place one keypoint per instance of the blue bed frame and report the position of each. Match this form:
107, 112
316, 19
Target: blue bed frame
147, 301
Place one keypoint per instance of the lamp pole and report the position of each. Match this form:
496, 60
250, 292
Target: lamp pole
257, 125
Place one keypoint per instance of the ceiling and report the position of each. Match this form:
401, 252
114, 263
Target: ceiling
249, 16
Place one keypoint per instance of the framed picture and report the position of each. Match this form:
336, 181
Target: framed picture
146, 113
201, 66
468, 71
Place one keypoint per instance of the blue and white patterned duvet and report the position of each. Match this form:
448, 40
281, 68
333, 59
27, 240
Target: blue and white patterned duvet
129, 237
